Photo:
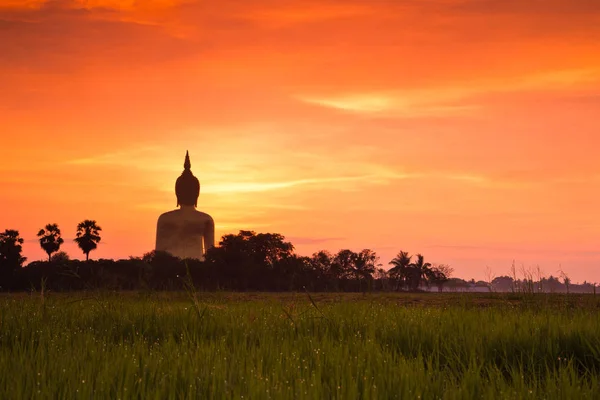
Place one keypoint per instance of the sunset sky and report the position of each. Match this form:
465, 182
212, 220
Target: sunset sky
468, 131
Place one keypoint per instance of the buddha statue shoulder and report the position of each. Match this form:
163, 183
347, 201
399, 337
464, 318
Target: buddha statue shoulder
186, 232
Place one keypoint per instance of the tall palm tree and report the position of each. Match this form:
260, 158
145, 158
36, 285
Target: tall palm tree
50, 239
88, 236
418, 270
399, 271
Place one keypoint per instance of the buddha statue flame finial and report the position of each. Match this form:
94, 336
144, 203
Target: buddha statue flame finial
187, 186
187, 164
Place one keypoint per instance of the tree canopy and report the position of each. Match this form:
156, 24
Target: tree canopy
88, 236
50, 239
243, 261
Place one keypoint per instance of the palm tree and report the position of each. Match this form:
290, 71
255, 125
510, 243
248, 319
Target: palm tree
399, 271
417, 271
88, 236
364, 266
50, 239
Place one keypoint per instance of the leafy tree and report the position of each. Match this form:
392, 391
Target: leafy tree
321, 266
250, 260
503, 283
160, 258
439, 275
342, 266
399, 272
88, 236
265, 248
270, 248
10, 254
60, 258
50, 239
552, 283
11, 248
417, 272
321, 262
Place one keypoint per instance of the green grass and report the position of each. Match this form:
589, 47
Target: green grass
259, 346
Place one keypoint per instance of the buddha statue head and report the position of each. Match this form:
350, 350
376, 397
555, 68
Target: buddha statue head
187, 186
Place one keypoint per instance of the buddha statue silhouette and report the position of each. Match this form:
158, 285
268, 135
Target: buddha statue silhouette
186, 232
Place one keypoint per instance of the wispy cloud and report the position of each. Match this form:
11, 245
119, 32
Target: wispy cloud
448, 100
122, 5
306, 12
390, 104
263, 175
22, 4
249, 187
121, 157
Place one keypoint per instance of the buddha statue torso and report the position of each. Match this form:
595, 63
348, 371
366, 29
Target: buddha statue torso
186, 232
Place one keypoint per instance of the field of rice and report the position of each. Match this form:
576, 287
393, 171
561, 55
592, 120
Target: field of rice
299, 346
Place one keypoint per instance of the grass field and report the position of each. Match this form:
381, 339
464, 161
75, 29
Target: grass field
259, 346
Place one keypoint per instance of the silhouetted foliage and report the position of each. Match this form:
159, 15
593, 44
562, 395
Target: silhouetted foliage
343, 263
364, 266
321, 267
412, 275
417, 271
88, 237
251, 261
11, 259
246, 261
439, 275
60, 258
400, 270
50, 239
503, 283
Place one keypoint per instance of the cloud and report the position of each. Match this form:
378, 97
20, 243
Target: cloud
284, 15
251, 187
67, 36
446, 100
391, 40
21, 4
388, 106
265, 165
267, 169
553, 7
122, 157
120, 5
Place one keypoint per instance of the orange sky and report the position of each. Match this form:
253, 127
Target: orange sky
465, 130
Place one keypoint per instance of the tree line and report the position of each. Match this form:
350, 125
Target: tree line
246, 261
